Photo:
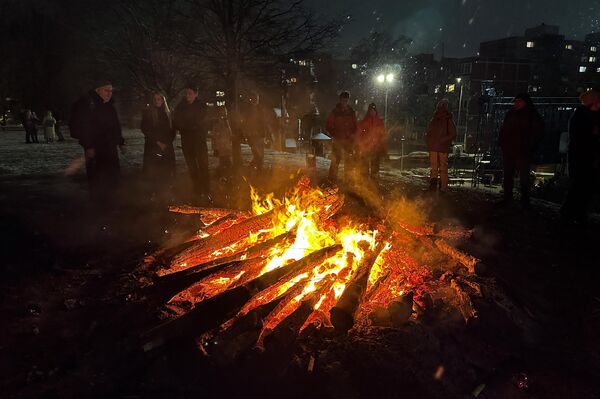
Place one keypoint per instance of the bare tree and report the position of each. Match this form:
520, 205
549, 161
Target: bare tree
143, 44
249, 38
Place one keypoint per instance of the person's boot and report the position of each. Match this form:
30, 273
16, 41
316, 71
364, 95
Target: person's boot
433, 185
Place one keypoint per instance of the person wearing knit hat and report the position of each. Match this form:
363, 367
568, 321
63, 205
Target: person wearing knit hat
95, 123
584, 142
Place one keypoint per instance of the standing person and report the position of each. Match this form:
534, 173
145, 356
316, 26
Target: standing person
34, 131
439, 135
521, 131
582, 154
159, 154
48, 123
222, 141
371, 142
95, 123
190, 120
57, 125
29, 126
341, 126
256, 130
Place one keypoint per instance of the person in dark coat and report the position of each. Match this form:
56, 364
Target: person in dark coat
256, 129
159, 154
439, 135
371, 142
29, 124
341, 126
582, 155
100, 135
521, 131
57, 125
190, 120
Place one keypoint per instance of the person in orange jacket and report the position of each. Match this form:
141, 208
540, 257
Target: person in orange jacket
371, 142
341, 126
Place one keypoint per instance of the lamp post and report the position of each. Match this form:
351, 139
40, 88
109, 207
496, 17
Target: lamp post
458, 80
386, 79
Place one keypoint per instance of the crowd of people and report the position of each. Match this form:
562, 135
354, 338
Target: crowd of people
50, 126
359, 145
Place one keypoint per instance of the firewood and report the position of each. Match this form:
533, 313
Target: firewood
258, 250
464, 302
400, 309
466, 260
297, 273
343, 313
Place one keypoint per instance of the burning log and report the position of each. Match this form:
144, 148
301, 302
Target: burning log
298, 272
257, 251
210, 247
288, 305
464, 302
466, 260
425, 230
343, 313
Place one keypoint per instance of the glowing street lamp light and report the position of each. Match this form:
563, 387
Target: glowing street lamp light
386, 79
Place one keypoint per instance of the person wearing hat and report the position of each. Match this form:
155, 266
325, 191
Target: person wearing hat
95, 123
190, 120
582, 154
371, 142
521, 131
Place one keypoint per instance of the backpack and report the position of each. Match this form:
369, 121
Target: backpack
78, 111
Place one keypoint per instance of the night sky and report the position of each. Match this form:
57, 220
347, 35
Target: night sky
460, 24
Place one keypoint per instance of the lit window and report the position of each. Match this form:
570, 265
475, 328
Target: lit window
220, 94
293, 80
592, 59
437, 88
598, 70
582, 69
569, 46
593, 49
302, 62
450, 88
530, 44
220, 103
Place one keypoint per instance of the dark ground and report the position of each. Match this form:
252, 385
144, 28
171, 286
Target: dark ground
75, 302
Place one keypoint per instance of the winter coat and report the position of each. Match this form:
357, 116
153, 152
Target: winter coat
371, 137
222, 138
156, 127
440, 132
583, 133
341, 124
190, 120
49, 122
100, 126
521, 131
254, 122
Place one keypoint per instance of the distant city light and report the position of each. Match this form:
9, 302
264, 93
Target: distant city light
381, 78
354, 66
582, 69
592, 59
530, 44
389, 77
569, 46
593, 49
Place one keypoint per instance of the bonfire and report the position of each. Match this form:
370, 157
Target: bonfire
302, 250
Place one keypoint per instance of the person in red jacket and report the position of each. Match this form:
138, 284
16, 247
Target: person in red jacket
371, 142
440, 133
341, 126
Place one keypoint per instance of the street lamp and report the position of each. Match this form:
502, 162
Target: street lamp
386, 79
458, 80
